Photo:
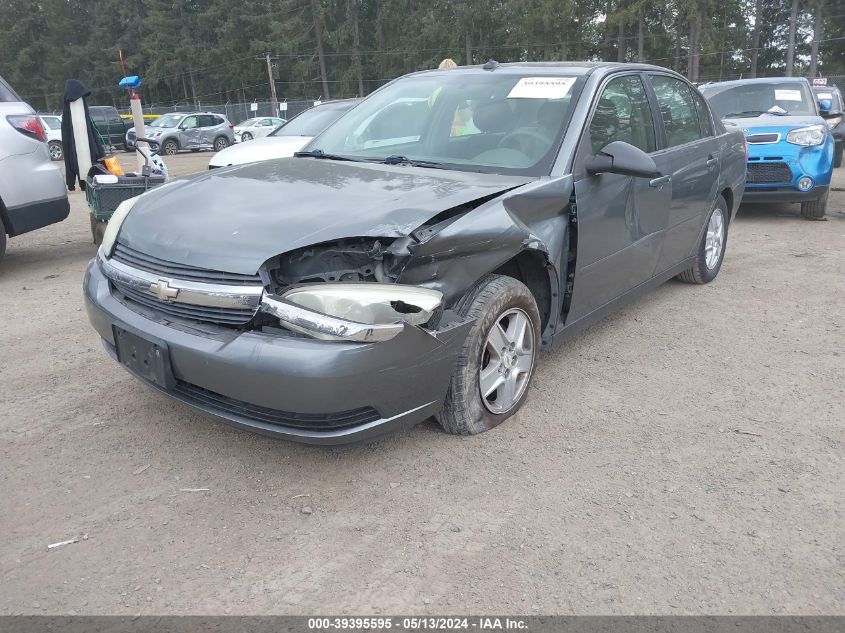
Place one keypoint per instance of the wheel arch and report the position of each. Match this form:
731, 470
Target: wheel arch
532, 268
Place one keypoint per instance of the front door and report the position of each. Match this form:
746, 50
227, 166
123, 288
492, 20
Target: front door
189, 131
621, 219
691, 156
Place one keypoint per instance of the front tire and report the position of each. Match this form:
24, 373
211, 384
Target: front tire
2, 241
170, 148
815, 209
711, 250
497, 360
837, 154
56, 150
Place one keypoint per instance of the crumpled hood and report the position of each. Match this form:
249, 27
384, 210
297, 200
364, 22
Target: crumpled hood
234, 219
765, 123
259, 149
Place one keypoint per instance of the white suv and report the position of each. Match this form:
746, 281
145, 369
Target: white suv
32, 191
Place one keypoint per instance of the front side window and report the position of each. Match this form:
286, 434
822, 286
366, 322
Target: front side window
500, 122
677, 108
190, 123
623, 114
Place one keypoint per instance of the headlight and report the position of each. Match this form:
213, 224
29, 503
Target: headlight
812, 135
353, 311
115, 222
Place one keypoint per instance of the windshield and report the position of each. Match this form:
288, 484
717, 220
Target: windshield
248, 123
168, 120
313, 121
760, 99
488, 122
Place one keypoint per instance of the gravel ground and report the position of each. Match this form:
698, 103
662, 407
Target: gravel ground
683, 456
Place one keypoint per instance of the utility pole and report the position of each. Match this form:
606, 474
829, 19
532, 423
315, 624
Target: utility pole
270, 59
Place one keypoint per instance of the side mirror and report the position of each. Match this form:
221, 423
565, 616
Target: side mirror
622, 158
824, 107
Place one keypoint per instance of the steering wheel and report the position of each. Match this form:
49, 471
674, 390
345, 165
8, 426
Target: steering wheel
524, 140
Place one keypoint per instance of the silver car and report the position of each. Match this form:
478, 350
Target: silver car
32, 191
187, 130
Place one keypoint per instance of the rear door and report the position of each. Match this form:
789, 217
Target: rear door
690, 155
621, 219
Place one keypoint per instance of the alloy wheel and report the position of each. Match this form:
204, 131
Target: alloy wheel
715, 239
506, 362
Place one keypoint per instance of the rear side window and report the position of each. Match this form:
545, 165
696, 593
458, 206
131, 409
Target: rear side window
704, 122
677, 107
6, 92
210, 120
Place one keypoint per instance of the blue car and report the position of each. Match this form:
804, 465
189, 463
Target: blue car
790, 147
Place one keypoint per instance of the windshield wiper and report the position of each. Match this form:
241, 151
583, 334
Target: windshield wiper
318, 153
744, 113
396, 159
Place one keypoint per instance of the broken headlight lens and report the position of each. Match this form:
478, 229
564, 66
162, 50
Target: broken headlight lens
370, 303
115, 222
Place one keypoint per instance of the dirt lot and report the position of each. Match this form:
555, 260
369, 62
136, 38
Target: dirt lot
686, 455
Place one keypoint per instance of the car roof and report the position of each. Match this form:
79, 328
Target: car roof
550, 68
757, 80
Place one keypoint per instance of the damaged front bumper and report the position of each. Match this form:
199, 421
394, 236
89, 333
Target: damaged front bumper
281, 384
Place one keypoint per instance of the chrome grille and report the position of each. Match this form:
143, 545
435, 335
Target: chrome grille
136, 259
156, 288
221, 316
768, 173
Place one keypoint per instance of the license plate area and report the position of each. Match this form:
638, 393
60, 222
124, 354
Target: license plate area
147, 358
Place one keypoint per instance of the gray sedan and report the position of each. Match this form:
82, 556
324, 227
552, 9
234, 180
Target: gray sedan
413, 259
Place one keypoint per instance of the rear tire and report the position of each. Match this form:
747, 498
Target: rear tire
815, 209
220, 143
711, 250
246, 136
506, 319
56, 150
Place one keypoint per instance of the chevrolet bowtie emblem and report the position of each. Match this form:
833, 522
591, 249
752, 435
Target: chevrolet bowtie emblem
163, 291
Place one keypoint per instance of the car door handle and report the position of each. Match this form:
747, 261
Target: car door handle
659, 182
712, 161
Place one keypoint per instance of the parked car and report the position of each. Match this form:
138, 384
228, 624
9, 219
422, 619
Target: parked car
287, 139
347, 291
790, 148
834, 116
52, 124
187, 130
32, 191
256, 128
111, 126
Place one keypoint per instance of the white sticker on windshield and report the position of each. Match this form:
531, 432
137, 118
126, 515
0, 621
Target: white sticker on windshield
787, 95
541, 88
824, 95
